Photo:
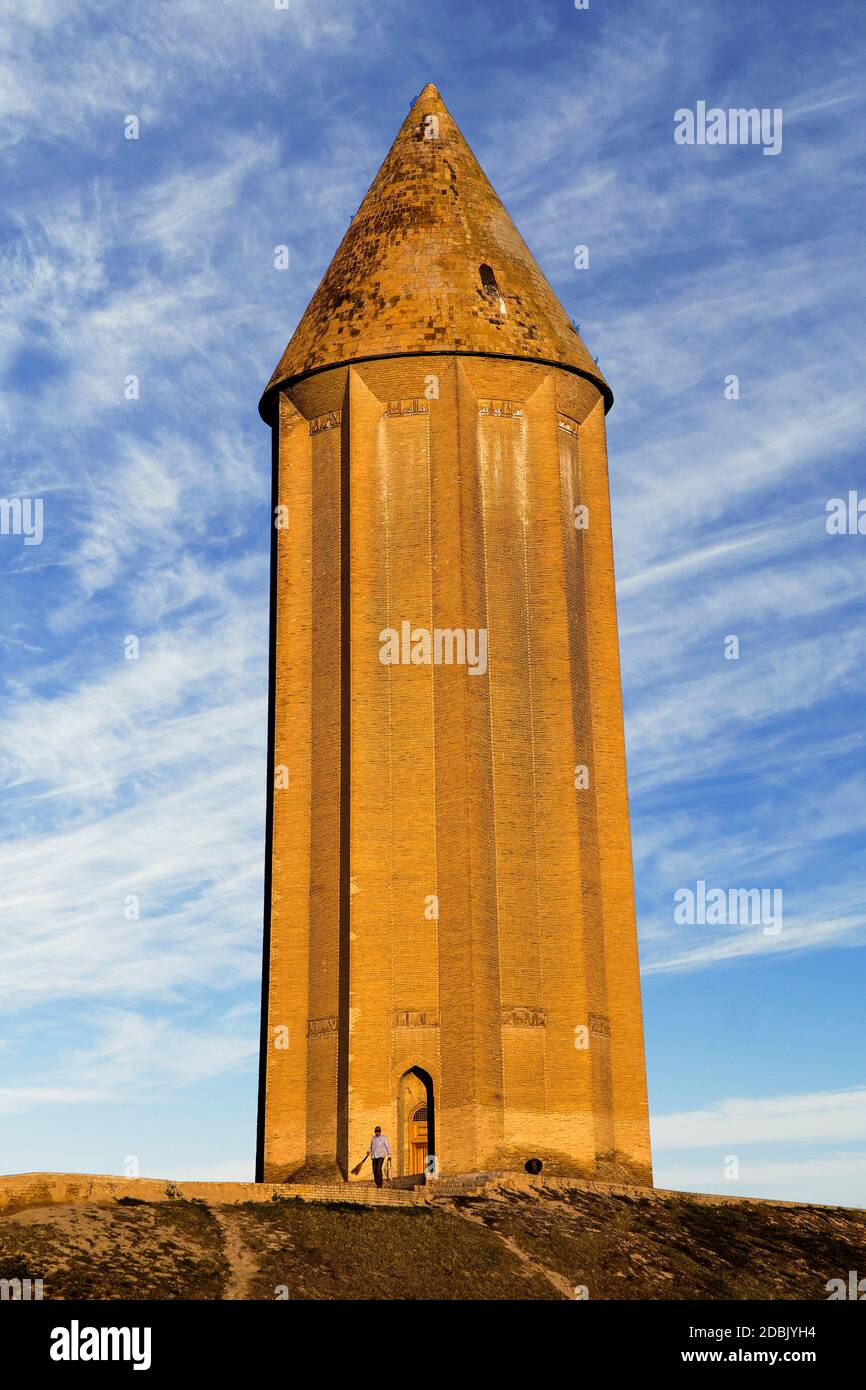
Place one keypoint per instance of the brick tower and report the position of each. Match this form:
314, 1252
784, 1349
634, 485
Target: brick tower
450, 947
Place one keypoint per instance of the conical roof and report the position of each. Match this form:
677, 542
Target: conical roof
432, 262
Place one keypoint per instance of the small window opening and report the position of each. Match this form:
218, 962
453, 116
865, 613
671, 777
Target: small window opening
488, 282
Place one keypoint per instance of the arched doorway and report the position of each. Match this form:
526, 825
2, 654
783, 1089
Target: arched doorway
416, 1123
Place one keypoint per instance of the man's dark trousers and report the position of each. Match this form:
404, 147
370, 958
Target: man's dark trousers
377, 1170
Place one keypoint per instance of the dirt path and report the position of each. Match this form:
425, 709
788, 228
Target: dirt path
241, 1261
562, 1286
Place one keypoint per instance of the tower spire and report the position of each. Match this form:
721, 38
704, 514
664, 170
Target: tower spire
432, 263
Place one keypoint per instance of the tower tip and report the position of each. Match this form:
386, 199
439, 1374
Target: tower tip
432, 261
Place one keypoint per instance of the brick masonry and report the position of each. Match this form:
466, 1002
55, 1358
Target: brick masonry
445, 901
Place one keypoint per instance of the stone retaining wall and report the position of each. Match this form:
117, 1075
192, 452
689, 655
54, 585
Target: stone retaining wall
19, 1191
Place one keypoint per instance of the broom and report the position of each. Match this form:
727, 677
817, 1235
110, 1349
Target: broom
358, 1166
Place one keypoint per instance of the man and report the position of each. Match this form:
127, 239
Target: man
379, 1150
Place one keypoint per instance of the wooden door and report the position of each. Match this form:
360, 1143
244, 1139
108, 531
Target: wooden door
418, 1140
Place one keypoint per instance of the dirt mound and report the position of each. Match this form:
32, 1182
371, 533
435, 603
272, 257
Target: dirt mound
551, 1242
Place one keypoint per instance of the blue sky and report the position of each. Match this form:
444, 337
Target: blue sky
154, 257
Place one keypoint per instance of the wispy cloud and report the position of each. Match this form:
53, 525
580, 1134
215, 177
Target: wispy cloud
808, 1147
834, 1116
